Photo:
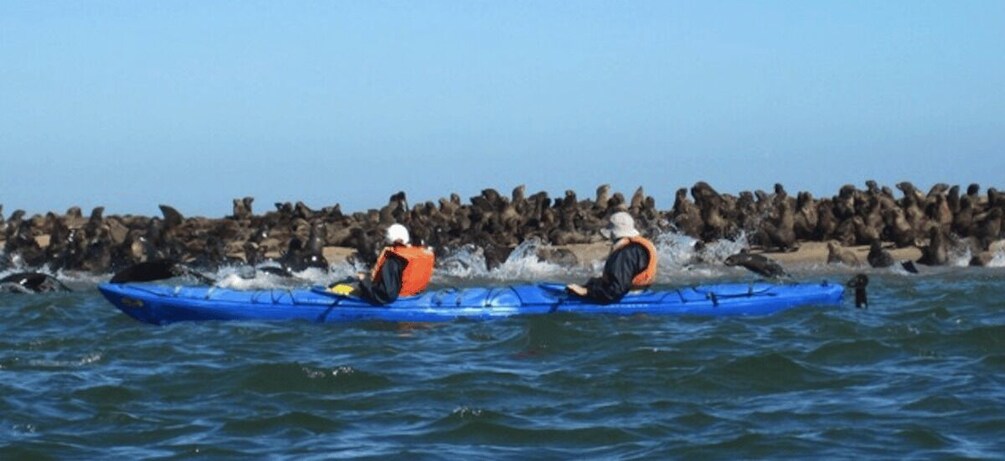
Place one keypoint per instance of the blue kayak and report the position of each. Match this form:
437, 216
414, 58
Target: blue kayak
160, 304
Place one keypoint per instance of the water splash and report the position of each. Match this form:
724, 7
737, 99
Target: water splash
466, 262
523, 263
243, 278
675, 250
678, 251
998, 260
89, 359
684, 257
959, 257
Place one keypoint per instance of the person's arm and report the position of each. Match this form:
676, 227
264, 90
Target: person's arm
387, 286
619, 270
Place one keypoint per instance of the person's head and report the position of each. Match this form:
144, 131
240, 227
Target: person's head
620, 225
396, 234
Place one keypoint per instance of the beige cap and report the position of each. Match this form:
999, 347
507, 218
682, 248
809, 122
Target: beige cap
621, 225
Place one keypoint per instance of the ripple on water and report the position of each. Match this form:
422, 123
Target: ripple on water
766, 373
854, 353
273, 378
294, 424
106, 394
472, 427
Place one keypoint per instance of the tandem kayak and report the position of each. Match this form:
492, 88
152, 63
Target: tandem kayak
160, 304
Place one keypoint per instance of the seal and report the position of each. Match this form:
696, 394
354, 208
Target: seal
31, 282
806, 218
936, 253
836, 254
172, 218
686, 216
603, 195
878, 257
757, 263
242, 208
158, 269
780, 233
900, 230
989, 227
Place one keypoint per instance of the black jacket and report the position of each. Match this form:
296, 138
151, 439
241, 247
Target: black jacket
619, 270
386, 287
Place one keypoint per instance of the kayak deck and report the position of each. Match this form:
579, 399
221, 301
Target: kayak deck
160, 304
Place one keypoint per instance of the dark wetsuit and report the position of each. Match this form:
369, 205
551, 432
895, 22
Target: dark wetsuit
387, 286
619, 270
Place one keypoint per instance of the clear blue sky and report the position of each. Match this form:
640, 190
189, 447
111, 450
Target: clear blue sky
131, 104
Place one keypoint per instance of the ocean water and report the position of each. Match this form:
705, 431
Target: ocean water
920, 374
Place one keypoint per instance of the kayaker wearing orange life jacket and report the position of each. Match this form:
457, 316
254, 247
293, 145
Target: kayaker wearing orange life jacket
401, 269
631, 264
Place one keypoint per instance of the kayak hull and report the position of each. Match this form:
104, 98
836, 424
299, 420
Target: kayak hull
160, 304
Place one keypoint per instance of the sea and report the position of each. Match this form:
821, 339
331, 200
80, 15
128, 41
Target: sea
918, 374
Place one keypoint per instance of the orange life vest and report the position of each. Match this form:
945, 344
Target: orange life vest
417, 272
647, 276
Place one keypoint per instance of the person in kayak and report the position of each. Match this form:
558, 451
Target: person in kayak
630, 265
401, 270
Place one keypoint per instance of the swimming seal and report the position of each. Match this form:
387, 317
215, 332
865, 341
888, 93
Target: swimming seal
158, 269
756, 263
31, 282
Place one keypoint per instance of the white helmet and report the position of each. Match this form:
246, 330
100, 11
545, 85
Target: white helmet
396, 233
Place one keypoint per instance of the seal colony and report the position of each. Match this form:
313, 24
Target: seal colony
926, 227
